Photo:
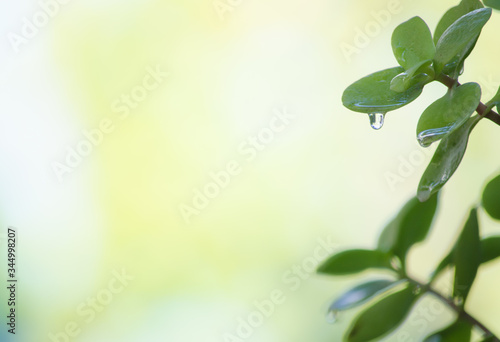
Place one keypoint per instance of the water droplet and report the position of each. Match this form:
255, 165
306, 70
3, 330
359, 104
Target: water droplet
403, 54
417, 290
376, 120
458, 301
332, 317
424, 142
427, 137
396, 263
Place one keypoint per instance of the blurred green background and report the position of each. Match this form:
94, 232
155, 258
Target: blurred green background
207, 83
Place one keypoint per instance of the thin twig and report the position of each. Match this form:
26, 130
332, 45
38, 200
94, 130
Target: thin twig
461, 312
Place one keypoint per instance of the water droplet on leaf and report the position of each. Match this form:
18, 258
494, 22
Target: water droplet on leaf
376, 120
403, 55
424, 142
417, 290
332, 316
396, 263
427, 137
458, 301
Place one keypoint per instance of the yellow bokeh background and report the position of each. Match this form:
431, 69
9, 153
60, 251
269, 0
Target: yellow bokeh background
323, 177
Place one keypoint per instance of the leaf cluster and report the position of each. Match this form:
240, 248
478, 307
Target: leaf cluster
388, 300
424, 58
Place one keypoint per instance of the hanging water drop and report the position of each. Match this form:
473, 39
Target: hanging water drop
332, 317
376, 120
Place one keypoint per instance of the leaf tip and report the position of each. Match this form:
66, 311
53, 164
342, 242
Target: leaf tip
424, 194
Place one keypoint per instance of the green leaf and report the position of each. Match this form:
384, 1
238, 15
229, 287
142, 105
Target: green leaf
453, 14
458, 36
460, 331
383, 317
361, 294
404, 81
493, 4
490, 339
456, 67
467, 257
409, 227
412, 43
446, 160
372, 94
448, 113
491, 198
354, 261
389, 237
490, 248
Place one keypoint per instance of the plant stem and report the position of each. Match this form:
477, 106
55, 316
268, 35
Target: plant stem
482, 110
460, 311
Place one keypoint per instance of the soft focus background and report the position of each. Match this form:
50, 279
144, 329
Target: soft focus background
207, 86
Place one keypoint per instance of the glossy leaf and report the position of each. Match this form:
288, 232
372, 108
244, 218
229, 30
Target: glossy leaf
409, 227
372, 94
467, 257
383, 317
460, 331
412, 43
361, 294
458, 36
491, 198
354, 261
448, 113
493, 4
455, 66
453, 14
446, 160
